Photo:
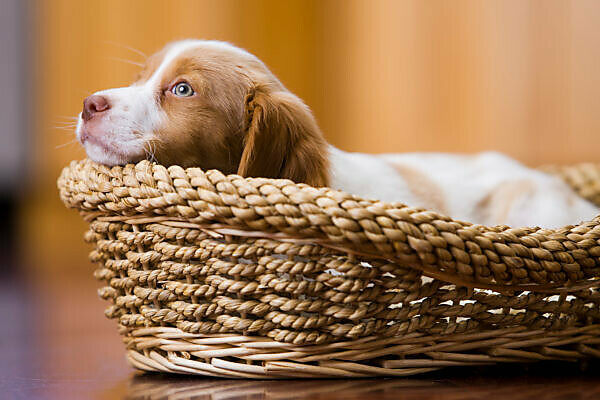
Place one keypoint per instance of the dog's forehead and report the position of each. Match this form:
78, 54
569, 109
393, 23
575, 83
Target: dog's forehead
159, 61
199, 50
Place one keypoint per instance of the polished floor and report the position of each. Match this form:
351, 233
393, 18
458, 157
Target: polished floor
55, 343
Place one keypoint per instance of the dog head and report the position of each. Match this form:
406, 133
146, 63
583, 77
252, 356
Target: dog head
206, 104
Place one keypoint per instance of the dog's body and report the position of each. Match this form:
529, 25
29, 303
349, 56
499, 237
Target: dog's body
212, 105
487, 188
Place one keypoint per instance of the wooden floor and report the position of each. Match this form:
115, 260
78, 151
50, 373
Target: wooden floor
55, 343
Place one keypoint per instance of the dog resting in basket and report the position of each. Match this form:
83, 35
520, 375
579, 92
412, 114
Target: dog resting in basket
211, 105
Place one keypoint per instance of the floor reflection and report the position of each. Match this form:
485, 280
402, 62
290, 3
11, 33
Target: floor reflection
157, 386
539, 382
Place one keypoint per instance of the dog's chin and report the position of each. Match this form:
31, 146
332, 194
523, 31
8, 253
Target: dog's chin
109, 149
106, 156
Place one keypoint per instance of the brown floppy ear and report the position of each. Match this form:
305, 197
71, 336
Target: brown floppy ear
283, 140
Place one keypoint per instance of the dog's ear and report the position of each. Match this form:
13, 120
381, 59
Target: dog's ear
282, 139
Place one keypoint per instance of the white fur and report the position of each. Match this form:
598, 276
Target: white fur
367, 176
133, 117
464, 181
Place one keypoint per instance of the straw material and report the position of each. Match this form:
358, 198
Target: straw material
264, 278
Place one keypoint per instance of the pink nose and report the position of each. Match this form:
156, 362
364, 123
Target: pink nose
93, 105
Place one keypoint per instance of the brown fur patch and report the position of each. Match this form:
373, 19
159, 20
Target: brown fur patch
423, 188
495, 207
241, 119
151, 65
283, 140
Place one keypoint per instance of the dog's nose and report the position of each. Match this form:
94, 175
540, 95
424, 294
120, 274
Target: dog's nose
94, 104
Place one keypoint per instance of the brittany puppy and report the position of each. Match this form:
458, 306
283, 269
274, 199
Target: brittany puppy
209, 104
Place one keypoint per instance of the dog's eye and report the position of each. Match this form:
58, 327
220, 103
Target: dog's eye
182, 89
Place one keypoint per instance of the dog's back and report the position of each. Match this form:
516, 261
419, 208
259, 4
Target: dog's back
487, 188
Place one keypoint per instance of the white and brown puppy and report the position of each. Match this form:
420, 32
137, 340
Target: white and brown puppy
212, 105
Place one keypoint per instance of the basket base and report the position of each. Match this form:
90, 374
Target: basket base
165, 349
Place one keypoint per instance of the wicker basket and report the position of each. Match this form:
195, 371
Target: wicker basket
263, 278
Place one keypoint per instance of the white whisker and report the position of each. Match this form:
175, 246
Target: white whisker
136, 51
150, 151
127, 61
66, 144
66, 123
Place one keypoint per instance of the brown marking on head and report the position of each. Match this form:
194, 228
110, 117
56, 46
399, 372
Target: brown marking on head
241, 119
151, 65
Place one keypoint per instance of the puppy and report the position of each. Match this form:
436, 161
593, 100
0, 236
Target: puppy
211, 105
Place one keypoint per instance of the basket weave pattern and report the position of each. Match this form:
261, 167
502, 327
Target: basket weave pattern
246, 277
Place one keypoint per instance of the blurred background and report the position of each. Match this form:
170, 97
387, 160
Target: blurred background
520, 77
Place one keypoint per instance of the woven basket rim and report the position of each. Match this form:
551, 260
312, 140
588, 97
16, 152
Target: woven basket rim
499, 258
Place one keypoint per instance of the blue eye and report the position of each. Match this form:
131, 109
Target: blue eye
182, 89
